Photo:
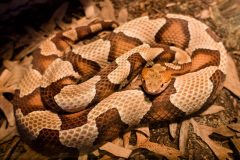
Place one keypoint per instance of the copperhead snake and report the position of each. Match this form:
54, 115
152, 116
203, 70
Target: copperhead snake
69, 100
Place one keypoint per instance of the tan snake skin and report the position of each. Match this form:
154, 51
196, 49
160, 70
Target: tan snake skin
69, 100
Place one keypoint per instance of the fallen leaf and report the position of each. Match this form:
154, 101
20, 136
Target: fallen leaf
224, 131
6, 84
13, 74
31, 154
7, 132
236, 143
203, 132
14, 142
204, 14
107, 10
56, 17
168, 152
106, 157
90, 8
232, 82
83, 157
212, 110
116, 150
234, 126
7, 109
173, 129
122, 16
29, 49
118, 141
183, 135
96, 152
144, 130
141, 138
126, 138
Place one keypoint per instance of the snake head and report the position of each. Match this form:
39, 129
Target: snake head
155, 79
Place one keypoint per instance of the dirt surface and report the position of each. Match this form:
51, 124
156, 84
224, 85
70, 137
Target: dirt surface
222, 16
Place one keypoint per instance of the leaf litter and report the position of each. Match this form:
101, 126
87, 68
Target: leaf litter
121, 147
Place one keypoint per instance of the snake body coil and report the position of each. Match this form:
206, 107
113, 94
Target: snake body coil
69, 99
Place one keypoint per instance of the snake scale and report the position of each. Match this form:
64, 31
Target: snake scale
70, 101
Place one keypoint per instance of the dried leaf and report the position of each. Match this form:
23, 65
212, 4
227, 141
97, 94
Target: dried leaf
168, 152
31, 154
144, 130
7, 132
90, 8
5, 82
29, 49
7, 109
107, 10
203, 132
118, 141
116, 150
173, 129
232, 82
236, 143
235, 126
224, 131
122, 16
213, 109
11, 148
204, 14
83, 157
141, 138
96, 152
13, 74
126, 138
183, 136
106, 157
56, 17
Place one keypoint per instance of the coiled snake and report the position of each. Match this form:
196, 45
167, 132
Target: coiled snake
69, 100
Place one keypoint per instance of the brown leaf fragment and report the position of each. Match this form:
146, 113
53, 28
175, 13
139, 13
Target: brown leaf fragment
7, 132
107, 10
213, 109
90, 8
141, 138
224, 131
122, 16
203, 132
83, 157
7, 109
31, 154
144, 130
116, 150
235, 126
173, 129
168, 152
204, 14
8, 153
126, 138
232, 82
183, 135
236, 143
56, 18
